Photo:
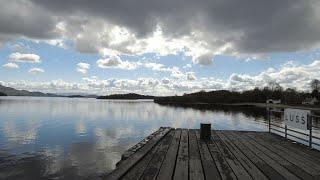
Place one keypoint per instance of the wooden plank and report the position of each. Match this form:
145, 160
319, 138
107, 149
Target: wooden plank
264, 167
195, 166
167, 167
209, 167
293, 168
133, 159
255, 172
222, 165
181, 170
154, 165
233, 162
296, 164
137, 170
275, 165
297, 149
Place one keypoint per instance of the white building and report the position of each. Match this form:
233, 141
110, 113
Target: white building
273, 101
310, 101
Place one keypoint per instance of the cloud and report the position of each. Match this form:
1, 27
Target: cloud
11, 66
289, 75
176, 73
36, 70
24, 19
199, 30
115, 62
83, 67
205, 59
165, 81
26, 58
155, 66
191, 76
20, 47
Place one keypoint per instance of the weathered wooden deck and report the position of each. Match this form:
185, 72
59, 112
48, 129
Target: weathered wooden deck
180, 154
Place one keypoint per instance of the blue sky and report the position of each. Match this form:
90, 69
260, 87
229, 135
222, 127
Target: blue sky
67, 47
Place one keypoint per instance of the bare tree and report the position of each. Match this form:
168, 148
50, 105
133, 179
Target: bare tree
315, 84
274, 86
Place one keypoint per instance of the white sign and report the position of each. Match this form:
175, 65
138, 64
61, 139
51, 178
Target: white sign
296, 118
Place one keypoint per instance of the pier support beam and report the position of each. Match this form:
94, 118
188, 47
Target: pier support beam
205, 131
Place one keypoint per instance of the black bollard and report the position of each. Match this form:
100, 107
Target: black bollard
205, 131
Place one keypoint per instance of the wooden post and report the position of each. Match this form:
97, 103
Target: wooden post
205, 131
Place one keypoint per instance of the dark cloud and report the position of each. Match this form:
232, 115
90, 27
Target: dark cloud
22, 18
250, 27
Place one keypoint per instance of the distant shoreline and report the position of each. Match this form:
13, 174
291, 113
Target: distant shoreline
248, 104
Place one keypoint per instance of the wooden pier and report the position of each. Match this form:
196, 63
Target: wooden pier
180, 154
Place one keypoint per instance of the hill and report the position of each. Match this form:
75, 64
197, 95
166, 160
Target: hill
81, 96
126, 96
14, 92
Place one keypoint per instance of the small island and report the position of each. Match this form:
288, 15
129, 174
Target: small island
126, 96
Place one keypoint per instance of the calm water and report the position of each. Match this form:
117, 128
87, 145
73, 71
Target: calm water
61, 138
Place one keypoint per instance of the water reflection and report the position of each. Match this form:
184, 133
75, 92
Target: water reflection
60, 138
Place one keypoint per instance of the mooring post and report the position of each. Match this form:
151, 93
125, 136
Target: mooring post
205, 131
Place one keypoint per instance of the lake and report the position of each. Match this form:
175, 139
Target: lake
64, 138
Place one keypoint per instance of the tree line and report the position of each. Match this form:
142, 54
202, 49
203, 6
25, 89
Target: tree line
257, 95
2, 94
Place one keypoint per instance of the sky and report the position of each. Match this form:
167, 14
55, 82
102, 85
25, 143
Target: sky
163, 47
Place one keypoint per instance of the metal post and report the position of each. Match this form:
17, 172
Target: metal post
310, 130
286, 131
269, 120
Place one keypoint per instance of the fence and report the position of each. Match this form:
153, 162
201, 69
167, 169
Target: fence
306, 137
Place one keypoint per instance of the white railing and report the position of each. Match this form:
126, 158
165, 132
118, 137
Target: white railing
304, 136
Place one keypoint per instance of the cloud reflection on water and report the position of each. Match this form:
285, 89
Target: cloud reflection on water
84, 138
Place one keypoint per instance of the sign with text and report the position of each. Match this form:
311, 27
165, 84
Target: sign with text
296, 118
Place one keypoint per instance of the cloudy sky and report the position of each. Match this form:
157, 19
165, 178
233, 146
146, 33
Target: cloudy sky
158, 47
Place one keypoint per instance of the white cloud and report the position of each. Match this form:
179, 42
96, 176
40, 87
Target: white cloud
11, 65
289, 76
57, 42
155, 66
187, 66
83, 67
115, 62
20, 47
28, 58
165, 81
98, 36
36, 70
191, 76
204, 59
176, 73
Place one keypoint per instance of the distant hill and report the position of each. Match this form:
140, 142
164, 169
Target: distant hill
126, 96
77, 95
82, 96
2, 94
14, 92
